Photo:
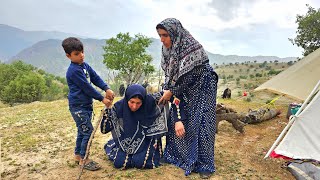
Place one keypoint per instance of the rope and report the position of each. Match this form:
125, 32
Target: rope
90, 140
272, 102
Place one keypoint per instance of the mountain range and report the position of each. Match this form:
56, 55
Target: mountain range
43, 50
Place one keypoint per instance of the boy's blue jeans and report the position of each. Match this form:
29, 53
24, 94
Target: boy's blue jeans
82, 115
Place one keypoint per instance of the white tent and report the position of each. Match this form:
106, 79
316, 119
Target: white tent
302, 134
298, 80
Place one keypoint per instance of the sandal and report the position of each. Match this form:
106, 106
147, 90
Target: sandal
92, 166
77, 158
205, 175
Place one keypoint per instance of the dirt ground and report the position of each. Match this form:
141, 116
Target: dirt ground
37, 142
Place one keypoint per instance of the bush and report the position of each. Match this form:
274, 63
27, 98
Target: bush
24, 83
25, 88
239, 93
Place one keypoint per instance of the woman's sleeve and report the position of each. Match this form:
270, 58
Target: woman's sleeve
166, 82
106, 123
178, 109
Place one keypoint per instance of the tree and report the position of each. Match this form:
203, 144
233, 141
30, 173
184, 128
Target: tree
308, 32
25, 88
128, 56
8, 72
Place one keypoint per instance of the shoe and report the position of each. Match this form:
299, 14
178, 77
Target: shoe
205, 175
90, 165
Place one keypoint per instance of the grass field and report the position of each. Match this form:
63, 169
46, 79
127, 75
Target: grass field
37, 142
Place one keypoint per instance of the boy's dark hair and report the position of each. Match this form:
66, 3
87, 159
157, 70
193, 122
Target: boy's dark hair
72, 44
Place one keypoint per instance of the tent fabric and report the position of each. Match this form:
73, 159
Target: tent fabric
302, 140
304, 170
289, 82
275, 155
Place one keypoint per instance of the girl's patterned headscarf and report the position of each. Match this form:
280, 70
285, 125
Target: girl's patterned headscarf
184, 54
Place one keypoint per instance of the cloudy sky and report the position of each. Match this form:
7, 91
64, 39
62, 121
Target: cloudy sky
228, 27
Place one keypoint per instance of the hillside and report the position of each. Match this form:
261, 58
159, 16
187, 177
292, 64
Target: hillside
226, 59
49, 56
38, 139
43, 50
13, 40
247, 76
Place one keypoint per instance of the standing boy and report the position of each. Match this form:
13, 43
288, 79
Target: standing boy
81, 93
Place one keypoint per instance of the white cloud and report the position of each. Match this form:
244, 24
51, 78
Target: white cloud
249, 27
280, 13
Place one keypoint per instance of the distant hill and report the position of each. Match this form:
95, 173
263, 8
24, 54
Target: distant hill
49, 56
43, 50
220, 59
14, 40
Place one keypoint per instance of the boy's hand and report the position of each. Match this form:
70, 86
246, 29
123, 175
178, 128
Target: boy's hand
110, 94
107, 102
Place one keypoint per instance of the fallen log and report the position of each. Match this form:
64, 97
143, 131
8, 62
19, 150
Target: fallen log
239, 120
232, 118
260, 115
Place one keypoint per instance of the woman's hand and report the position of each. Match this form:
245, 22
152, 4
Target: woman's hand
165, 97
179, 128
107, 102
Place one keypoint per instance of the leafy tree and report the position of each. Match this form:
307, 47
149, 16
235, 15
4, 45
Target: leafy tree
26, 88
238, 81
54, 91
24, 83
308, 32
8, 72
21, 66
128, 56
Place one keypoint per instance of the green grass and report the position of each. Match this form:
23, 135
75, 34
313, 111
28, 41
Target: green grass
26, 126
39, 137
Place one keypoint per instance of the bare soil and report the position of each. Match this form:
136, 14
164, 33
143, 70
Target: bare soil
37, 142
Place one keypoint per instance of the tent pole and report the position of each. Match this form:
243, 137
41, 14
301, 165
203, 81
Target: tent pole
292, 119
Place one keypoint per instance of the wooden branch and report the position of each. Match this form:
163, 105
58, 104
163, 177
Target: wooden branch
232, 118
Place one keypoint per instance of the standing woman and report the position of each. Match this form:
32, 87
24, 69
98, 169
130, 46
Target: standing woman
190, 78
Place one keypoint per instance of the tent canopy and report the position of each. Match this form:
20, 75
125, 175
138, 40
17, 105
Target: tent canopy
298, 80
302, 135
303, 138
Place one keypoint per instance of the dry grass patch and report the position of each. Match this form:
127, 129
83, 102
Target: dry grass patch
38, 141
